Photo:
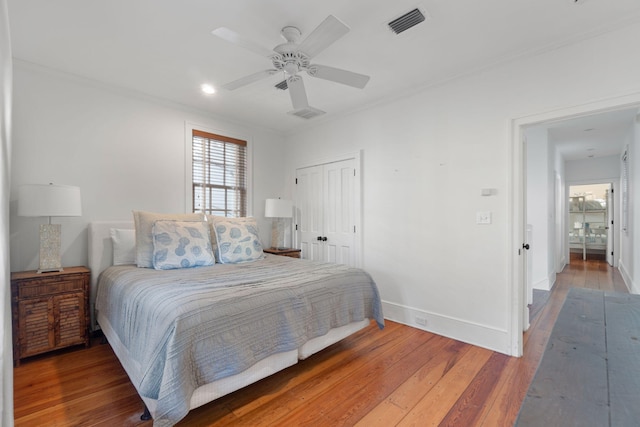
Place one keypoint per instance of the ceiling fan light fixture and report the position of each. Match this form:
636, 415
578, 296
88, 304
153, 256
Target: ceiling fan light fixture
290, 68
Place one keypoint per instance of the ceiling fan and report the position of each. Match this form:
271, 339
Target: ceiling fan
293, 57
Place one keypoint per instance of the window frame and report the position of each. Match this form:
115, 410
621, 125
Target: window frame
189, 128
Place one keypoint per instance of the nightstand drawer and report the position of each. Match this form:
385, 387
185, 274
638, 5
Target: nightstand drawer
35, 288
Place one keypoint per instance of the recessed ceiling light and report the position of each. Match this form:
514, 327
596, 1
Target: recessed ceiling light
208, 89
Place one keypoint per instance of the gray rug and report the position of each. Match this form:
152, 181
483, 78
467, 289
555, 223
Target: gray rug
589, 374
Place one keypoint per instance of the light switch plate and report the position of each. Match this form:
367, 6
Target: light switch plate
483, 217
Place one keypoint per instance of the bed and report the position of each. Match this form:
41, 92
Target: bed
188, 336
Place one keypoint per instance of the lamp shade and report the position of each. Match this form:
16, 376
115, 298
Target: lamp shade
49, 200
278, 208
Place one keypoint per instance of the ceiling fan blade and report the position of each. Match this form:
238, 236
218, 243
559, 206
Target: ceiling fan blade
325, 34
249, 79
297, 92
235, 38
338, 75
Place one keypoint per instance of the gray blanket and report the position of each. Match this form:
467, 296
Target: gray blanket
189, 327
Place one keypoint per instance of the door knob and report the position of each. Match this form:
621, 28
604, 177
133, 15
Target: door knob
324, 239
319, 238
525, 246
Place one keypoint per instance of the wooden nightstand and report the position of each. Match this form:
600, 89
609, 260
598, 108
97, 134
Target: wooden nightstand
290, 252
49, 310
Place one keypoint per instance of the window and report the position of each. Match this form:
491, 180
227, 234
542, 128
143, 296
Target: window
219, 178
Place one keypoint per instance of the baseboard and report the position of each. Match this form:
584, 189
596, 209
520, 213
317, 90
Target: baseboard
542, 285
633, 288
563, 264
472, 333
547, 283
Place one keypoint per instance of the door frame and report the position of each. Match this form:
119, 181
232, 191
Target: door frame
517, 197
356, 156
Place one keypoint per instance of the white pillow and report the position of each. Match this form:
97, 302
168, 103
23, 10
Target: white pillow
144, 240
181, 244
124, 245
237, 239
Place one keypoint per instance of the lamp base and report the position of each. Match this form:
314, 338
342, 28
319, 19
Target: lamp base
50, 259
277, 233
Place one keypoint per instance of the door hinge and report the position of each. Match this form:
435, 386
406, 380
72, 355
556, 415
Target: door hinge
354, 228
296, 227
354, 172
296, 181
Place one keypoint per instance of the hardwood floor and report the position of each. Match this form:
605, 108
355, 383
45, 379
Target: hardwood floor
399, 376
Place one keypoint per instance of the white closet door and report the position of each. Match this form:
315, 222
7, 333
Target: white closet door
326, 212
309, 194
339, 212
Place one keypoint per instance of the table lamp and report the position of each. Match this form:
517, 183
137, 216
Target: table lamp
279, 209
49, 200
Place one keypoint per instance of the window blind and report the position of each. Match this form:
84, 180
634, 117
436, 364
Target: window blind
219, 174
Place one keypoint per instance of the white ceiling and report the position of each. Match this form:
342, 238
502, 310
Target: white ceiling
164, 48
591, 136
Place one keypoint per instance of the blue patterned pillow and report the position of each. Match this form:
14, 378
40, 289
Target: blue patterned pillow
237, 240
181, 244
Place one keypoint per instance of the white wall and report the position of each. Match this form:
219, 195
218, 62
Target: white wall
561, 209
629, 264
125, 151
591, 171
427, 156
634, 205
6, 352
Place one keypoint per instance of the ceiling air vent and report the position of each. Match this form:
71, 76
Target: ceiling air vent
407, 21
282, 85
306, 112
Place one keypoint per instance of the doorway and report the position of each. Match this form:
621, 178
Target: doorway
591, 232
555, 174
